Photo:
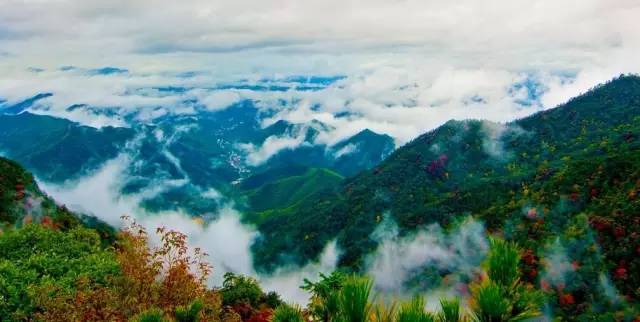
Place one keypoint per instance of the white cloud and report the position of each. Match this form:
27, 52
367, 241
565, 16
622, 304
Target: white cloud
217, 100
411, 65
270, 147
286, 281
345, 150
226, 239
398, 258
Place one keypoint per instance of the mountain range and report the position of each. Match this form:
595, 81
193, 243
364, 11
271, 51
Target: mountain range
562, 183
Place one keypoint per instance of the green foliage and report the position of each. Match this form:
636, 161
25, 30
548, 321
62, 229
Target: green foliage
385, 313
243, 289
414, 311
450, 310
238, 288
289, 191
502, 296
353, 299
502, 262
491, 305
190, 313
151, 315
287, 313
324, 295
448, 172
35, 257
578, 160
37, 141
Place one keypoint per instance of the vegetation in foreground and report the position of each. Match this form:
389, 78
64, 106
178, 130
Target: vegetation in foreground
48, 274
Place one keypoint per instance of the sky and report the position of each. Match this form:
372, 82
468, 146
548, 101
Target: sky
409, 66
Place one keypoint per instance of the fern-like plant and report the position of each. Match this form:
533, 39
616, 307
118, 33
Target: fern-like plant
190, 313
384, 313
503, 297
450, 311
353, 300
151, 315
287, 313
502, 262
414, 311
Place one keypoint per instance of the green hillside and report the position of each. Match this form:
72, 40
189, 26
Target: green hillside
289, 191
576, 165
58, 149
22, 202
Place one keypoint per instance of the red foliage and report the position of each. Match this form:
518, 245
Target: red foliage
620, 273
245, 310
600, 224
566, 299
575, 265
48, 222
436, 167
619, 232
529, 258
19, 195
574, 196
544, 285
263, 315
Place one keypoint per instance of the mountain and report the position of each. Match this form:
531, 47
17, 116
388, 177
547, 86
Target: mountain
533, 180
272, 197
193, 162
22, 106
57, 149
361, 151
22, 202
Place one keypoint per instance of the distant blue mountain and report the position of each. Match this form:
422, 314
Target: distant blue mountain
22, 106
108, 71
58, 149
201, 151
322, 80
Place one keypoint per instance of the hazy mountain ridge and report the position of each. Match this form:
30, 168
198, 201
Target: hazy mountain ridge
192, 154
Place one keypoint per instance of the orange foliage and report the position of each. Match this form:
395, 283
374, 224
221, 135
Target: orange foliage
165, 277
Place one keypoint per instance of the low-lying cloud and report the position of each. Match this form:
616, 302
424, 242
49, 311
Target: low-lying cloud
399, 259
225, 239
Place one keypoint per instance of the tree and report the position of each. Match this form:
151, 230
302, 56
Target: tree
323, 304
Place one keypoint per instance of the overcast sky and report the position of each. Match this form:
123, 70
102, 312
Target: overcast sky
442, 51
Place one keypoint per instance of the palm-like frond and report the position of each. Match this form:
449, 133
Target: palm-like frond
490, 303
353, 300
413, 311
384, 313
450, 310
287, 313
502, 262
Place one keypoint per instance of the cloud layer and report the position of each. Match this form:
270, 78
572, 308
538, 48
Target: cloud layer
225, 239
410, 65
